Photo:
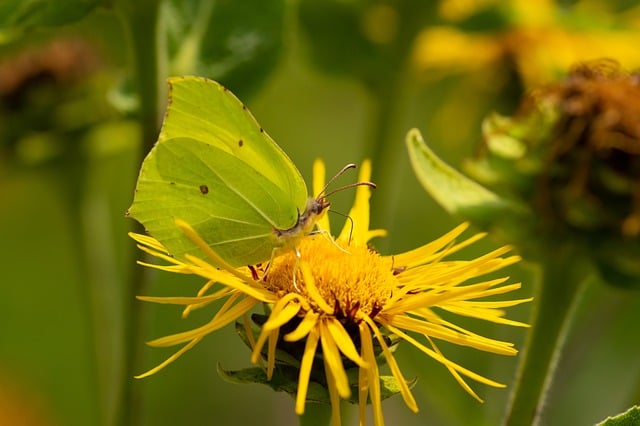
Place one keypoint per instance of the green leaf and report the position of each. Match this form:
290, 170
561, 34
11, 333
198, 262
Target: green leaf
631, 417
456, 193
389, 386
499, 142
286, 380
236, 43
288, 353
17, 16
280, 382
281, 356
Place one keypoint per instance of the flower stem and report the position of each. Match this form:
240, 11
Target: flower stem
559, 291
315, 415
140, 21
383, 152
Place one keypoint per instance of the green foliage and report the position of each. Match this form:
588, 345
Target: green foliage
366, 39
455, 192
631, 417
18, 16
213, 39
206, 38
284, 379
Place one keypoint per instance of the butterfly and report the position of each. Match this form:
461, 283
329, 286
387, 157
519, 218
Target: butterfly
215, 168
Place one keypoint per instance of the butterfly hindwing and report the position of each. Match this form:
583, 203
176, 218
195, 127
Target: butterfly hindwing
231, 205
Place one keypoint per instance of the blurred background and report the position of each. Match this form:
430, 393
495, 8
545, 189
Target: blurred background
342, 80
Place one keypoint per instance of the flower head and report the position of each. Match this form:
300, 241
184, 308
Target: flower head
571, 153
337, 305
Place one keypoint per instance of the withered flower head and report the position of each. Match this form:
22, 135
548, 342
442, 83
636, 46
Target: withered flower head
572, 153
592, 179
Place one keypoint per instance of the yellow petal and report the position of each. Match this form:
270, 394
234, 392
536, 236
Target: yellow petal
169, 360
305, 369
372, 377
216, 323
332, 360
307, 324
407, 396
344, 342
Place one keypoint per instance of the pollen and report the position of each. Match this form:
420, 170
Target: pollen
350, 279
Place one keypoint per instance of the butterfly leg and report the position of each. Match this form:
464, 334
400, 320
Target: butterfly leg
274, 253
295, 268
326, 234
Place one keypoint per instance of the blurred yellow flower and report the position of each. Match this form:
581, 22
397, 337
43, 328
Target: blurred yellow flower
542, 39
341, 302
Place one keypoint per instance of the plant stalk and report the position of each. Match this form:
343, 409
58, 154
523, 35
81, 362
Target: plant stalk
140, 21
564, 277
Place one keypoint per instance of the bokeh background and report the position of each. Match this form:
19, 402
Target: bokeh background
342, 80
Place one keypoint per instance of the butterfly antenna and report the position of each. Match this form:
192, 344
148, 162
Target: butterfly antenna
351, 185
336, 176
324, 192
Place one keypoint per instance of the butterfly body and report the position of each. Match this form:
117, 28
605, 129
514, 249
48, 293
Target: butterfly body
306, 221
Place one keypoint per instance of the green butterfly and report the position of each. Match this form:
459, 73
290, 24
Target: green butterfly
215, 168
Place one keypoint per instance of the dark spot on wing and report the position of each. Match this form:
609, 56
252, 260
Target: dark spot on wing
204, 189
240, 143
244, 107
261, 130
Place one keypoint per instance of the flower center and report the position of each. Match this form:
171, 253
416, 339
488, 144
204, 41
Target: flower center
350, 279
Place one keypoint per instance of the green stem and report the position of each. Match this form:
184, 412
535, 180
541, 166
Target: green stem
393, 89
564, 277
140, 21
382, 150
315, 414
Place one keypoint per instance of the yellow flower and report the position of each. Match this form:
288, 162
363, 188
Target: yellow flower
542, 39
342, 302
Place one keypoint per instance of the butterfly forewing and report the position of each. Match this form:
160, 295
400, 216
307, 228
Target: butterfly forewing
204, 110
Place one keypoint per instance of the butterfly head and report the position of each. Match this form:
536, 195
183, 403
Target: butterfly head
317, 206
314, 209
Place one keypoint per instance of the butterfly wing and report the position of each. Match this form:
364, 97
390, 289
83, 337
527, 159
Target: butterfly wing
215, 168
204, 110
